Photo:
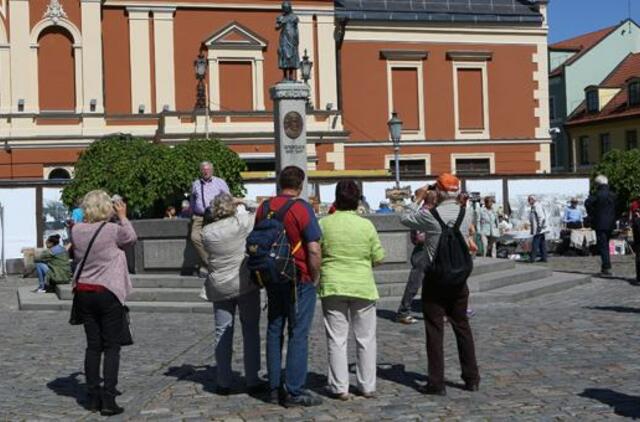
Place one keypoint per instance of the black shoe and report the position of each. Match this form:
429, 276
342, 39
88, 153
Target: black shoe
276, 396
109, 406
94, 401
303, 400
432, 390
260, 387
223, 391
472, 386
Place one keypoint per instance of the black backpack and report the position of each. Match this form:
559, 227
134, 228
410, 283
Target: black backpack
452, 263
270, 253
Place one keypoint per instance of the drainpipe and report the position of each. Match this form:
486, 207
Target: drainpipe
338, 36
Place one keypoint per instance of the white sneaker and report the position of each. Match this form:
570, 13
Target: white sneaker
38, 290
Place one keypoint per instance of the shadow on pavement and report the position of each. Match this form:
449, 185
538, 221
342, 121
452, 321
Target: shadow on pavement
623, 404
69, 386
621, 309
204, 375
398, 374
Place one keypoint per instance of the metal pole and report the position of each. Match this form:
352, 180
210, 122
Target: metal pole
396, 150
206, 122
2, 268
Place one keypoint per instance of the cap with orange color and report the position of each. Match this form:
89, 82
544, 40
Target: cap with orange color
448, 182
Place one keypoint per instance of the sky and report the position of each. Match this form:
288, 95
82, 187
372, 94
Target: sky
569, 18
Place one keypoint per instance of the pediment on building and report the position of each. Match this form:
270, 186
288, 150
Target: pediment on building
235, 37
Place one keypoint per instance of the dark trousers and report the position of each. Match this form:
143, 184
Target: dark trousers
538, 244
602, 237
436, 303
102, 316
418, 262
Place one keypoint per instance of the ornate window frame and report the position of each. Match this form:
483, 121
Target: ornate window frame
471, 60
388, 158
415, 62
491, 156
249, 49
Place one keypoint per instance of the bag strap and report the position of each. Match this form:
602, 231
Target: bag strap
436, 215
458, 223
204, 204
84, 258
280, 213
461, 214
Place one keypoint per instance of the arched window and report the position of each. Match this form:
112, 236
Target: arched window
59, 174
56, 70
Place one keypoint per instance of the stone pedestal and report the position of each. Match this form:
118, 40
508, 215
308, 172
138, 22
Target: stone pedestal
289, 118
397, 197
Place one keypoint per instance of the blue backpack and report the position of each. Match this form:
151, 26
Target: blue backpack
270, 260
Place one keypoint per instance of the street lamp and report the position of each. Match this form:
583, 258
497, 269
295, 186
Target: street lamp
305, 72
202, 100
395, 130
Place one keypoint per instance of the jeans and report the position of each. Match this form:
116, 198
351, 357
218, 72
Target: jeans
102, 316
602, 237
538, 244
339, 313
437, 303
298, 317
224, 314
418, 262
42, 269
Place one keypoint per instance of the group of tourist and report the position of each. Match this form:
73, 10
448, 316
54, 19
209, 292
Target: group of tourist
333, 260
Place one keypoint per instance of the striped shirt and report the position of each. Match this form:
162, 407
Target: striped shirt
421, 219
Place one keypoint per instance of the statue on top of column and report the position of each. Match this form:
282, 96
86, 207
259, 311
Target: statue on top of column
288, 56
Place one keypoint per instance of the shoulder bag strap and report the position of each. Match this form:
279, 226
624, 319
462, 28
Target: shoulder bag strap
436, 215
461, 214
282, 212
86, 254
204, 204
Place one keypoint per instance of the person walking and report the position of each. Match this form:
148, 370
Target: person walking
488, 228
601, 208
440, 299
539, 228
418, 263
350, 248
102, 286
52, 265
303, 232
634, 223
230, 288
203, 191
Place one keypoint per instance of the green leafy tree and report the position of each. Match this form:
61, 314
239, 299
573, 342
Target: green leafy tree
150, 176
622, 168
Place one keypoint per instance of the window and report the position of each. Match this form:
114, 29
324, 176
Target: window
552, 108
261, 165
405, 97
552, 152
584, 150
56, 70
634, 93
59, 174
409, 167
592, 101
236, 86
473, 166
632, 139
605, 144
471, 101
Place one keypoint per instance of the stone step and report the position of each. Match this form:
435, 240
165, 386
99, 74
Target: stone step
152, 294
145, 281
557, 282
496, 280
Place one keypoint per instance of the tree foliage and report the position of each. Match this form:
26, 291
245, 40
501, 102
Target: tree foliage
150, 176
622, 168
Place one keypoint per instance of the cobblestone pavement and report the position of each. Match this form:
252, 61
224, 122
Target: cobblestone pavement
568, 356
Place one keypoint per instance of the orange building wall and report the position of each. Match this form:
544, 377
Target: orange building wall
510, 80
509, 159
470, 98
56, 70
193, 26
405, 97
37, 8
30, 163
117, 76
236, 93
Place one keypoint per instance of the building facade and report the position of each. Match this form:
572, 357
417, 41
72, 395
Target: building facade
577, 63
468, 79
608, 117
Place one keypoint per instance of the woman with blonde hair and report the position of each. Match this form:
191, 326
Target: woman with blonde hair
230, 288
102, 284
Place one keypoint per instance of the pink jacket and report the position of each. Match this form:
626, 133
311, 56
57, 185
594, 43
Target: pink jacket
106, 264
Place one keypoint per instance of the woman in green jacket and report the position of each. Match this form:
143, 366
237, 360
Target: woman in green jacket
350, 249
52, 265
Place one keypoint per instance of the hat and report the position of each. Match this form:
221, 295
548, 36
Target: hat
448, 182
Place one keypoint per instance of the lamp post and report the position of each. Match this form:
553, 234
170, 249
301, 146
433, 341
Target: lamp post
306, 66
202, 101
395, 130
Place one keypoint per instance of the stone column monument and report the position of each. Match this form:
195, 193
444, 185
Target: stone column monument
290, 99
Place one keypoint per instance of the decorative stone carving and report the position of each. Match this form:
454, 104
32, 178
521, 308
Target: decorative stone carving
54, 12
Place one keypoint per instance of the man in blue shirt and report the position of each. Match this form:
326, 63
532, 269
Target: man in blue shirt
573, 215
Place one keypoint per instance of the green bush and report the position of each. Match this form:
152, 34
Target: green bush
622, 168
150, 176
